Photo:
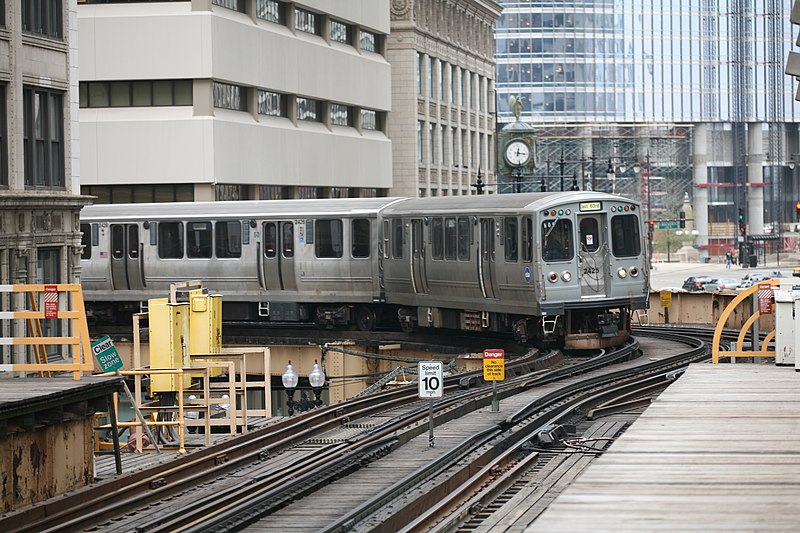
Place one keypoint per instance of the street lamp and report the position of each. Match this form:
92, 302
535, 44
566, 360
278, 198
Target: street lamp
317, 379
290, 379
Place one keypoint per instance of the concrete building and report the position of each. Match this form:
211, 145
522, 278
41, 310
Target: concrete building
234, 99
443, 106
39, 193
690, 93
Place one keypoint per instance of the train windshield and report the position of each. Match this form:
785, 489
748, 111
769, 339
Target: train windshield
625, 239
557, 242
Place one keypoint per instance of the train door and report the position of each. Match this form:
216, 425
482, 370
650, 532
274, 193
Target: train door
127, 268
418, 273
486, 258
277, 242
592, 254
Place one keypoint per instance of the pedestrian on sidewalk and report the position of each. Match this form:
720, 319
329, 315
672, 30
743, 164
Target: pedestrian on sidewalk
728, 258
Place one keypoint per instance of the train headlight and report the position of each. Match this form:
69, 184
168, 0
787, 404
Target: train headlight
634, 272
553, 277
566, 275
622, 273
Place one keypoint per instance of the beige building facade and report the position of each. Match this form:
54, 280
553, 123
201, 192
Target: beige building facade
443, 107
40, 239
234, 99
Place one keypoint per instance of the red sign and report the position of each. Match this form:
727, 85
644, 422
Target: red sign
50, 301
765, 299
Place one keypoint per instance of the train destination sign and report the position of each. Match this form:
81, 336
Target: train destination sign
431, 384
106, 354
494, 368
591, 206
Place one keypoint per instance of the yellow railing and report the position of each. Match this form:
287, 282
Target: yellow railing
717, 353
79, 341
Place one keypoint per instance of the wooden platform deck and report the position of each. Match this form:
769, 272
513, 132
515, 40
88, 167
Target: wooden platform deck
719, 450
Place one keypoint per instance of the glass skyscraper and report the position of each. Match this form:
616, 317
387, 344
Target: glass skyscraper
691, 93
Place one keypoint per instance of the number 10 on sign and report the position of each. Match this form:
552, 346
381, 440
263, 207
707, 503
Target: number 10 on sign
430, 386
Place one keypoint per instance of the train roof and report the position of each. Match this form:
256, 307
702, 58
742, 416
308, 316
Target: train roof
494, 203
498, 202
236, 209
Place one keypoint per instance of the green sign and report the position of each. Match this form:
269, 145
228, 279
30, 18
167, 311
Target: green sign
106, 354
669, 224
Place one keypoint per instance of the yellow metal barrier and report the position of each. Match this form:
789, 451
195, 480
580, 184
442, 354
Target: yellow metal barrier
717, 353
80, 342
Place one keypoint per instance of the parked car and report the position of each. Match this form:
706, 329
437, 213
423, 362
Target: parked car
755, 277
695, 283
722, 284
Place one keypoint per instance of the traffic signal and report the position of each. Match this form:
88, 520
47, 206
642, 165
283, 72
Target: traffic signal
742, 224
682, 219
797, 209
651, 226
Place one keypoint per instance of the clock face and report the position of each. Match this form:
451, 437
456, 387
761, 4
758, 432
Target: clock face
517, 153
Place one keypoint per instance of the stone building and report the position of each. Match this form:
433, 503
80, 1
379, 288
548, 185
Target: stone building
40, 202
443, 107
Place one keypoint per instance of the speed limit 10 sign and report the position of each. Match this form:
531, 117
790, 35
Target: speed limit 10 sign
430, 379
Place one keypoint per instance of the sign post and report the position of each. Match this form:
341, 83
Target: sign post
431, 386
494, 370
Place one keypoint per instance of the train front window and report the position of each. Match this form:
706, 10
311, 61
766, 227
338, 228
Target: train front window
557, 240
625, 238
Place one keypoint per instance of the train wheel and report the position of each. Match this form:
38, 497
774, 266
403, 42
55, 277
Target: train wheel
365, 318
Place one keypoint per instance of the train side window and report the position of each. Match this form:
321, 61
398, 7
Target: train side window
287, 241
228, 244
328, 235
463, 238
170, 240
133, 241
270, 239
386, 232
198, 237
450, 238
557, 242
437, 238
511, 235
527, 239
117, 241
360, 235
625, 236
397, 238
86, 241
590, 235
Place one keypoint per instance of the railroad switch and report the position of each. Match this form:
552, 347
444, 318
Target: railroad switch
553, 435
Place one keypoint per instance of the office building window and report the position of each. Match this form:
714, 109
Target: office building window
136, 93
306, 21
125, 194
369, 119
341, 115
270, 10
309, 109
235, 5
43, 143
440, 80
43, 17
369, 41
273, 104
453, 145
431, 157
420, 125
230, 193
340, 32
442, 143
430, 76
3, 140
227, 96
452, 83
273, 192
419, 73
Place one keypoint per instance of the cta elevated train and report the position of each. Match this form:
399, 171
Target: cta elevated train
565, 268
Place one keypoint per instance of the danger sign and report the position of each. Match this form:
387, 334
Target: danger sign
50, 301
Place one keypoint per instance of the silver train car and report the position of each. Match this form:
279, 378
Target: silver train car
563, 268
